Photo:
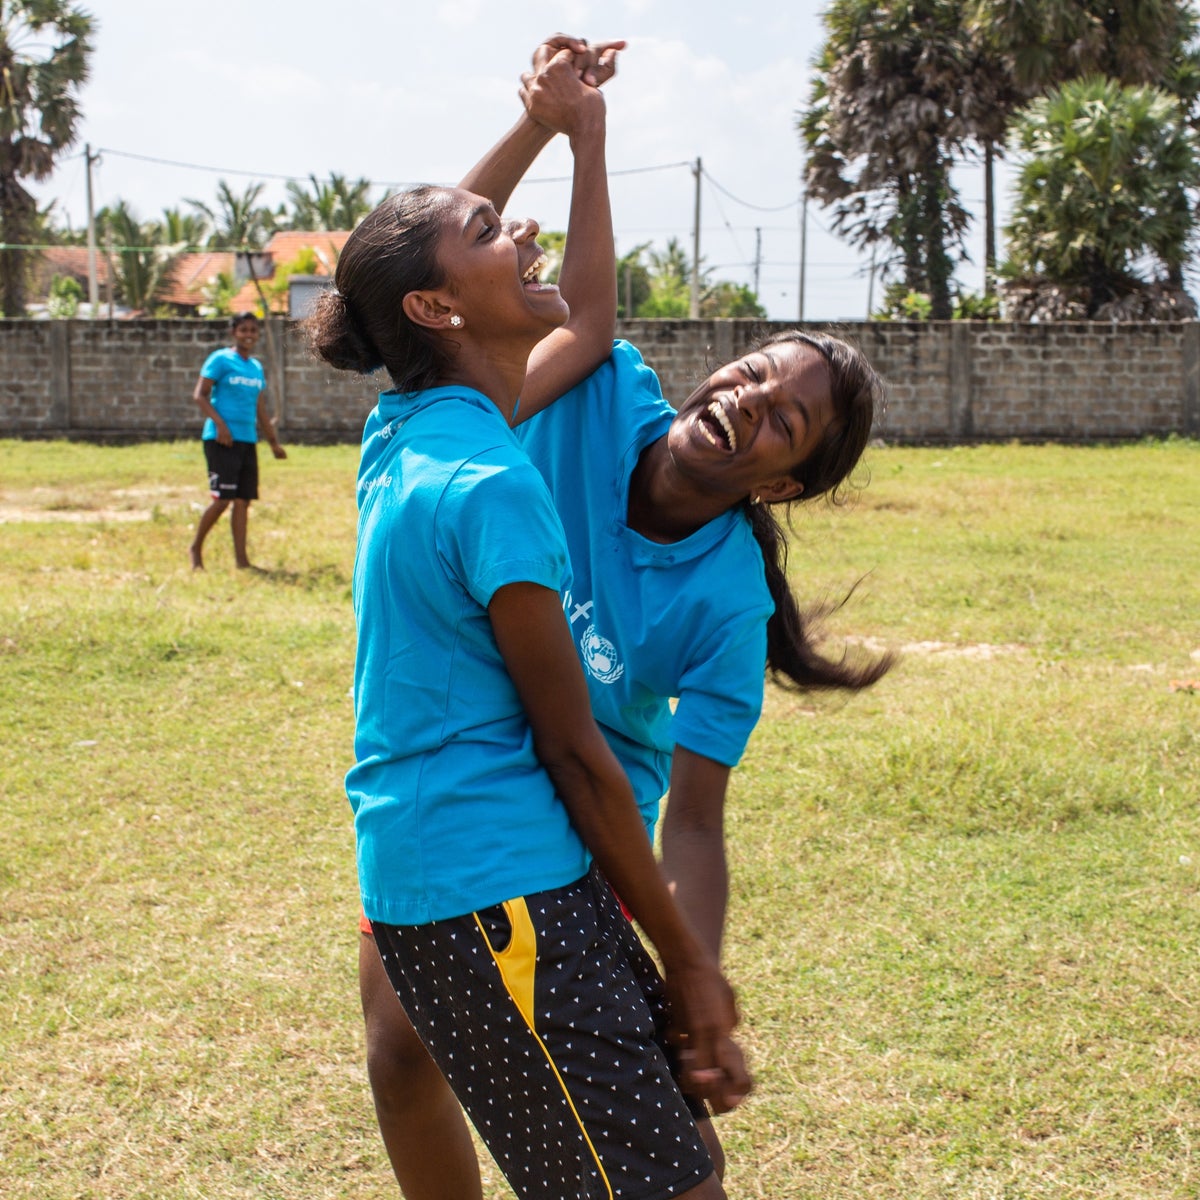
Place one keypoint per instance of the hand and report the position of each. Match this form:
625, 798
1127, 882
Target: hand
558, 99
703, 1016
278, 450
224, 437
595, 64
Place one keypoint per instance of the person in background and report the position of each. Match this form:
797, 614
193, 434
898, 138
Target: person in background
231, 394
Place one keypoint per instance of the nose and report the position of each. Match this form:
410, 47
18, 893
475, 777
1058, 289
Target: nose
525, 229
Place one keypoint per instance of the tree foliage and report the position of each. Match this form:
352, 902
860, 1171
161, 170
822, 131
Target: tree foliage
338, 204
45, 51
237, 220
141, 254
893, 99
1104, 195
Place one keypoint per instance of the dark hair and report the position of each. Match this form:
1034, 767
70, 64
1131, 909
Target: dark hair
238, 318
858, 394
792, 632
359, 324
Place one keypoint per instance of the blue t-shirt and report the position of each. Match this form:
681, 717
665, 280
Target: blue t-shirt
452, 810
687, 619
236, 384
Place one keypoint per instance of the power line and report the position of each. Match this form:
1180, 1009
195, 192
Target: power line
746, 203
386, 183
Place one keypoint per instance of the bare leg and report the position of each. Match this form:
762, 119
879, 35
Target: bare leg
423, 1127
238, 520
710, 1189
708, 1132
208, 519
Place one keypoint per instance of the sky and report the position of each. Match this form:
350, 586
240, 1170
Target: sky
182, 96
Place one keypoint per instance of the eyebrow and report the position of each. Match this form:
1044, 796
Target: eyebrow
479, 211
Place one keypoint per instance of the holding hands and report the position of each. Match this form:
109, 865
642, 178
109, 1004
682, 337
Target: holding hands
560, 92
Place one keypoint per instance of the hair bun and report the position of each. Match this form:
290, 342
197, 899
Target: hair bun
335, 335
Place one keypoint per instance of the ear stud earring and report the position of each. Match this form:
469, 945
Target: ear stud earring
456, 321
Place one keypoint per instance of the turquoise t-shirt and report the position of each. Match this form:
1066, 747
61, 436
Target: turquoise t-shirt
452, 810
237, 382
651, 622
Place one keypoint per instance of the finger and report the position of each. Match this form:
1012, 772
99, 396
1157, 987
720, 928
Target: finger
552, 45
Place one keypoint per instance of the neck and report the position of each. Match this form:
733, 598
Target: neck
664, 506
498, 374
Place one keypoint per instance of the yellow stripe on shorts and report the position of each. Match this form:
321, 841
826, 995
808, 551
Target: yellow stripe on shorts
517, 963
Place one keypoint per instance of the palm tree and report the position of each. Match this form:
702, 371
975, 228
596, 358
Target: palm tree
1034, 46
889, 111
238, 222
1106, 189
143, 254
185, 230
45, 49
338, 204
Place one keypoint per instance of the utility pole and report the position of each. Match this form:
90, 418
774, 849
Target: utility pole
93, 286
803, 249
757, 256
694, 302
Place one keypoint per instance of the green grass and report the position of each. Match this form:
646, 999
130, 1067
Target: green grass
965, 926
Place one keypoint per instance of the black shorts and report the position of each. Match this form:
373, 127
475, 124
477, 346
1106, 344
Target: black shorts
232, 470
547, 1017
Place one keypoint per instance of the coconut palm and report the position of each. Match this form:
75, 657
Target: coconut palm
45, 50
141, 253
1102, 200
237, 222
338, 204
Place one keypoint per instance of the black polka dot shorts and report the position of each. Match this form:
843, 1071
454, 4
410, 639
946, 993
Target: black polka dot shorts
546, 1015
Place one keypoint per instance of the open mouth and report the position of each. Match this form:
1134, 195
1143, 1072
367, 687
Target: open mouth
717, 427
533, 272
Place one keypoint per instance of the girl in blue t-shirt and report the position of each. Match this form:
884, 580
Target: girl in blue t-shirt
679, 589
481, 786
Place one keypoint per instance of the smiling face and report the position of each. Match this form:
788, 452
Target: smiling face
752, 422
491, 268
245, 336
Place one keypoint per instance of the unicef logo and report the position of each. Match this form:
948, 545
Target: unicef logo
600, 656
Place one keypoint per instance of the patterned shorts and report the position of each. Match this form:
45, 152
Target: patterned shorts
546, 1015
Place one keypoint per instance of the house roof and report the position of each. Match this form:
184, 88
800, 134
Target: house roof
66, 260
192, 273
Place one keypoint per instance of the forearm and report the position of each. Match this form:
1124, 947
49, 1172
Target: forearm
694, 866
499, 171
588, 278
693, 842
600, 801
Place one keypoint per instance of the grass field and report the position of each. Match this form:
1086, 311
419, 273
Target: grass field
965, 927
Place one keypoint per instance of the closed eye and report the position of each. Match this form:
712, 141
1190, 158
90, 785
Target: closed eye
749, 370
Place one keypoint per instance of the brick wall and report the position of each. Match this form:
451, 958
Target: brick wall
948, 381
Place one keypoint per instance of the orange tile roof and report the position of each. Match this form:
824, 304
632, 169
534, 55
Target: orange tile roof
191, 273
68, 260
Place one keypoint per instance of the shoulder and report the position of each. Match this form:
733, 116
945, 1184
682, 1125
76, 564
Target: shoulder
216, 363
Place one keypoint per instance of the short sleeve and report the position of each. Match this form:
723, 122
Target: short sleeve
497, 525
721, 692
214, 367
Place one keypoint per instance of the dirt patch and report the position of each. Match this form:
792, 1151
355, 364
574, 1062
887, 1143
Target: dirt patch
976, 650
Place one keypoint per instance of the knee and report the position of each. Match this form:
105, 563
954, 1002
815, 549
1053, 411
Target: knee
398, 1064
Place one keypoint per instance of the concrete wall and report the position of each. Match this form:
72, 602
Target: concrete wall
948, 381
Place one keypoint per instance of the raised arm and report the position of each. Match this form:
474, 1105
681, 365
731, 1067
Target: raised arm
588, 279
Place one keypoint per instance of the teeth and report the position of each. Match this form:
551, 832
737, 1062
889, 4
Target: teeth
718, 412
535, 269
